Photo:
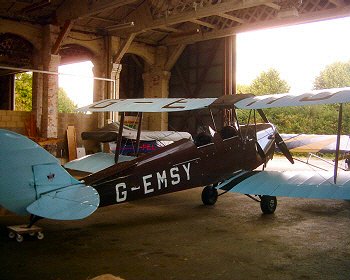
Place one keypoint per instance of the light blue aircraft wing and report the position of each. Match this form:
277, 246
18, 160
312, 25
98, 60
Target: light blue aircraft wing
306, 184
148, 105
316, 97
240, 101
70, 203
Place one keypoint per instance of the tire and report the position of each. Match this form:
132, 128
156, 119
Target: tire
19, 238
40, 236
209, 195
268, 204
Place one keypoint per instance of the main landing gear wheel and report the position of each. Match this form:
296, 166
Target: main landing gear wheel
268, 204
209, 195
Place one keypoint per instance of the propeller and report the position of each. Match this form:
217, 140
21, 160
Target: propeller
278, 140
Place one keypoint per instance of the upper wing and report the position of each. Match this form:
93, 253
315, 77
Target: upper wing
326, 96
148, 105
308, 184
240, 101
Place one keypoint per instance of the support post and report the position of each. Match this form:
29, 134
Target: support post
99, 89
120, 135
115, 75
138, 135
336, 161
37, 99
156, 85
50, 98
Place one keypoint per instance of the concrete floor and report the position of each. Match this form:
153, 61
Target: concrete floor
175, 237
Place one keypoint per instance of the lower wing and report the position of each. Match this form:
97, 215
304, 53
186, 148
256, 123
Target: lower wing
308, 184
313, 143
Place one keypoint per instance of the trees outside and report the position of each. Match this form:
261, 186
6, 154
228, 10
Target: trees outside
23, 95
241, 89
65, 104
320, 119
23, 92
334, 75
269, 82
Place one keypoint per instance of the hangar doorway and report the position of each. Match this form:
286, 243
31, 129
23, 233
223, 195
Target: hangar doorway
16, 52
77, 63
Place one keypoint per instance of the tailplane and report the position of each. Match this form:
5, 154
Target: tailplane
33, 182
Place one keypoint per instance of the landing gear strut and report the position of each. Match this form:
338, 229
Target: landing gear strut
209, 195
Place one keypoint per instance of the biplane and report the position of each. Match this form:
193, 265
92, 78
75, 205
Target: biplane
33, 182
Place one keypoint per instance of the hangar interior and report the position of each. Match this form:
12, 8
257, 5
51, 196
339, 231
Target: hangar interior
148, 48
159, 48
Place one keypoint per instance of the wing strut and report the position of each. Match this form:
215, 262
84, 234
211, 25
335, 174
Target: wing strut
336, 161
120, 136
138, 135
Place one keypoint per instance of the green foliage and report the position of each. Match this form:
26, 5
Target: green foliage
321, 119
334, 75
65, 104
242, 89
23, 95
269, 82
23, 92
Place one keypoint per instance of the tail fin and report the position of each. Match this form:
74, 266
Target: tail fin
32, 181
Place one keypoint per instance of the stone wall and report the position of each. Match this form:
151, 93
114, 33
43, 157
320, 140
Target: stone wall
15, 121
81, 122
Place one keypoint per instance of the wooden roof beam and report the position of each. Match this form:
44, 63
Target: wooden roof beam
174, 56
75, 9
62, 36
123, 49
203, 23
233, 18
170, 29
103, 19
200, 12
338, 3
278, 22
273, 6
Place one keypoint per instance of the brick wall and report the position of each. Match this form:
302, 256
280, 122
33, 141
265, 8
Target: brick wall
15, 121
81, 122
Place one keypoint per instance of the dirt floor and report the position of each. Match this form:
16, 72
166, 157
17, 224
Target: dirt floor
175, 237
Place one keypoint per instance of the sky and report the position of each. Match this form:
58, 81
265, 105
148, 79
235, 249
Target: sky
78, 87
298, 52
